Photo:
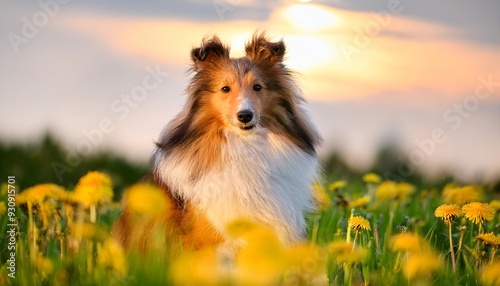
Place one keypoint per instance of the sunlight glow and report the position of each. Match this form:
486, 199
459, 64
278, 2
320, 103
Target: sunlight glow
310, 17
309, 52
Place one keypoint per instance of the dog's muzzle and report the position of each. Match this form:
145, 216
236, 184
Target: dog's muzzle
245, 118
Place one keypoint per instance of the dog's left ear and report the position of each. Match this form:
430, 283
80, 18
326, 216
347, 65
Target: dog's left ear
260, 49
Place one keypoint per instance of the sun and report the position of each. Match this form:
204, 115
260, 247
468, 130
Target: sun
310, 17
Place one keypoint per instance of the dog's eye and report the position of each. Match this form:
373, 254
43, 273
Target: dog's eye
257, 87
226, 89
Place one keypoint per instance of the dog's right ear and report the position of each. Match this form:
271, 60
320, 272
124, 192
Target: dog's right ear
209, 53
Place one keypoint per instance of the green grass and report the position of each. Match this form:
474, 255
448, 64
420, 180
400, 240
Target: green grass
52, 254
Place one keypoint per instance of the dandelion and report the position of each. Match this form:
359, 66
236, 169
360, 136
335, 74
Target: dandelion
3, 208
409, 242
145, 199
404, 190
321, 196
448, 213
386, 191
478, 212
4, 190
44, 265
306, 265
346, 252
111, 255
461, 195
337, 185
489, 274
260, 244
93, 188
371, 178
495, 204
357, 223
37, 194
421, 265
392, 191
84, 230
359, 202
197, 268
489, 238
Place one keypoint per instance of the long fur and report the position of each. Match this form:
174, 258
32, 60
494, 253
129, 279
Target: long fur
211, 163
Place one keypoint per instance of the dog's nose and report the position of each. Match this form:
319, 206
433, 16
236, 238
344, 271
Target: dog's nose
245, 116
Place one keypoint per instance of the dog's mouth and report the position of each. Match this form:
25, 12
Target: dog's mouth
247, 126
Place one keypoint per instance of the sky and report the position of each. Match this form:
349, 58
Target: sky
424, 75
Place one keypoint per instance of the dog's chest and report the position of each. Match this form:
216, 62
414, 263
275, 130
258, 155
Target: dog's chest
266, 179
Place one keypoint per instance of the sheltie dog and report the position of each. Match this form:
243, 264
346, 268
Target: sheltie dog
243, 147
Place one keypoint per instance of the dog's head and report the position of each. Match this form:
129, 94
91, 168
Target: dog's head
241, 95
242, 91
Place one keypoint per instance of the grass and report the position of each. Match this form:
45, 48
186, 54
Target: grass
364, 232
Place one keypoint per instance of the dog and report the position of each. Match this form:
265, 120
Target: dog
243, 147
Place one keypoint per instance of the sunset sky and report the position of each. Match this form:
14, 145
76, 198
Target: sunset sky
373, 71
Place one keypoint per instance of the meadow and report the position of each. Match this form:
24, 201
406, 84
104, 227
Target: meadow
367, 231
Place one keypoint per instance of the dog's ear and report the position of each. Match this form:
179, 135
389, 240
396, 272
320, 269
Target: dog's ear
211, 51
260, 49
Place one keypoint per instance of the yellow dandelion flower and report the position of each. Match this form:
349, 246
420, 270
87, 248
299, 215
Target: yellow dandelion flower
321, 196
83, 230
146, 199
93, 188
44, 265
357, 223
3, 208
4, 189
110, 254
359, 202
422, 265
48, 211
307, 263
478, 212
197, 268
337, 185
391, 191
372, 178
386, 191
259, 243
495, 204
489, 238
408, 241
489, 274
344, 252
404, 190
448, 212
462, 195
37, 194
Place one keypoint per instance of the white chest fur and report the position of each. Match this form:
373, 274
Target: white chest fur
261, 177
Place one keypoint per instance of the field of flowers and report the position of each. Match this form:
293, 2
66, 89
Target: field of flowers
366, 232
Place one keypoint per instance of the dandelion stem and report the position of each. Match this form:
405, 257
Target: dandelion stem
354, 241
452, 252
314, 235
348, 236
31, 232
